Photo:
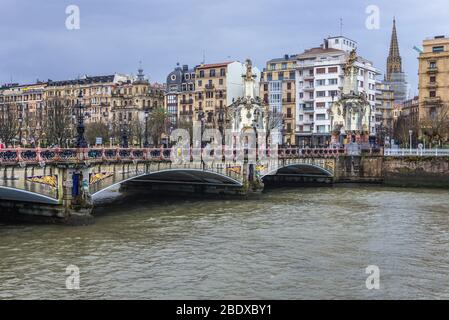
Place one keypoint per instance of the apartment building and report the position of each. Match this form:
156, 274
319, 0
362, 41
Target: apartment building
96, 90
26, 106
179, 93
433, 77
217, 85
133, 97
319, 83
278, 89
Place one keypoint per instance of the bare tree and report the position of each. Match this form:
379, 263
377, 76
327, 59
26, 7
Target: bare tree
96, 130
58, 126
159, 123
9, 124
435, 126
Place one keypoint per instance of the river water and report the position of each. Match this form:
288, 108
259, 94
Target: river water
287, 244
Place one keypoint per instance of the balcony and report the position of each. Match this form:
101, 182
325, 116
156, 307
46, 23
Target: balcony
432, 100
432, 69
186, 113
432, 85
308, 109
308, 88
308, 76
186, 101
308, 99
286, 100
209, 86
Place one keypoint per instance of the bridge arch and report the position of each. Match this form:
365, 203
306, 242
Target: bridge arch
22, 195
175, 176
300, 169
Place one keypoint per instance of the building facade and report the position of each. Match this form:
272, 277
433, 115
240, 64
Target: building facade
180, 93
433, 77
384, 112
217, 86
24, 105
278, 90
319, 84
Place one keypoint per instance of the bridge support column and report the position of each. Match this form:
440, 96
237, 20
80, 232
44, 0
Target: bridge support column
73, 194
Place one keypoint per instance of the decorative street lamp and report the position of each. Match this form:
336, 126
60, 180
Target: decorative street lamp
410, 133
124, 136
80, 129
146, 144
201, 119
20, 129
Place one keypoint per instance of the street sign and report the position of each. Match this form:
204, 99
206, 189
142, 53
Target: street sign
99, 140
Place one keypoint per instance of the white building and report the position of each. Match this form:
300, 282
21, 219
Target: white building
319, 83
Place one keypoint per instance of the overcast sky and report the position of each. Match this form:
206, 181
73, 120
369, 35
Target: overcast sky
115, 35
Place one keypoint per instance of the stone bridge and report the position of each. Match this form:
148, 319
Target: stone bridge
58, 184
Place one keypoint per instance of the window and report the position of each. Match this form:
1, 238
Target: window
289, 86
320, 83
265, 87
220, 82
320, 94
438, 49
289, 112
321, 104
280, 75
212, 72
222, 72
433, 65
284, 66
333, 82
333, 93
201, 74
320, 70
292, 75
321, 116
200, 83
332, 70
433, 79
432, 94
321, 129
273, 66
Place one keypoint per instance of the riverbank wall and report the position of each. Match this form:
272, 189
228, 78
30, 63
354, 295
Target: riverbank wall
429, 172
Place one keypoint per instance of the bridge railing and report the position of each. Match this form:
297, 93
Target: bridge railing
99, 155
416, 152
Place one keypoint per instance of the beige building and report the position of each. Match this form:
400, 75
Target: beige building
433, 76
26, 102
278, 89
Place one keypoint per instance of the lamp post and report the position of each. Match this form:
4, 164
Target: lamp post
201, 120
221, 120
410, 132
20, 129
146, 144
124, 136
80, 129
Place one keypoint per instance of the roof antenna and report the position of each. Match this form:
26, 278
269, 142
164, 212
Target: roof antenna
204, 56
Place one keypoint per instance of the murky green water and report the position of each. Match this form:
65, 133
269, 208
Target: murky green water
289, 244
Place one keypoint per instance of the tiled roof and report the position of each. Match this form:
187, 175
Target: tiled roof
214, 65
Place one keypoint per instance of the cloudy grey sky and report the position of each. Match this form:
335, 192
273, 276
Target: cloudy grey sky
114, 35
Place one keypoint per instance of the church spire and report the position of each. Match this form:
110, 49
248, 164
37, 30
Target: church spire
394, 61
